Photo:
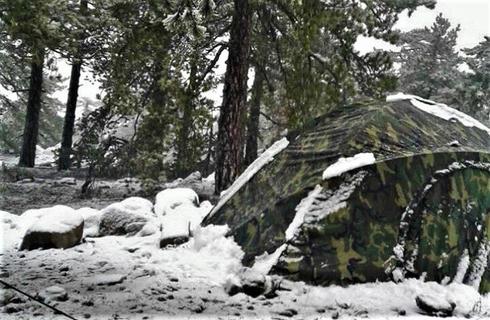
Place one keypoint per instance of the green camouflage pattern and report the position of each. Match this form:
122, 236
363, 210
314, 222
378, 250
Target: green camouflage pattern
351, 234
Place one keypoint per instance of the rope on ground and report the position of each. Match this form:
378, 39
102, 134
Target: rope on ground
36, 299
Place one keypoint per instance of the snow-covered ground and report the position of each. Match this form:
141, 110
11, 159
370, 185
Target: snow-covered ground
130, 277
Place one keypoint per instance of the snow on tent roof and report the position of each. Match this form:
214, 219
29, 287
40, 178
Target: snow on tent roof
439, 110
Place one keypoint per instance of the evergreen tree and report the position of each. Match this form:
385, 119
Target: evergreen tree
64, 161
429, 62
474, 91
38, 26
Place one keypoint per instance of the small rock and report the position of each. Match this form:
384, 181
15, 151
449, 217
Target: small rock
435, 305
53, 293
199, 309
86, 315
64, 268
88, 303
173, 240
108, 279
288, 313
17, 300
12, 309
67, 181
6, 297
253, 284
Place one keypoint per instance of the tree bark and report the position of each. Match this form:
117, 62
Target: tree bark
31, 127
71, 106
251, 148
68, 127
185, 155
229, 148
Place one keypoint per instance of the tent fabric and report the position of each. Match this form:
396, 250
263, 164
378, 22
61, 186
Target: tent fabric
352, 226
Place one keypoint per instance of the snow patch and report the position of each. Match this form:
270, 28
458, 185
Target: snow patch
343, 165
301, 210
266, 157
264, 263
439, 110
332, 201
463, 265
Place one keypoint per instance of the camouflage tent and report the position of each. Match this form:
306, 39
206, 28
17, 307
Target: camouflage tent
372, 191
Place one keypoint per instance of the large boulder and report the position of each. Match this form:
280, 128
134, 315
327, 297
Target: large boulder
55, 227
133, 216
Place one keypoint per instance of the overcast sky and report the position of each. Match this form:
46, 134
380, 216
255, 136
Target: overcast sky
472, 15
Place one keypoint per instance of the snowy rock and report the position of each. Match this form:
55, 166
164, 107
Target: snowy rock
129, 217
139, 205
68, 181
11, 231
435, 305
252, 284
173, 240
209, 179
8, 220
91, 218
195, 176
53, 293
183, 219
6, 297
55, 227
171, 198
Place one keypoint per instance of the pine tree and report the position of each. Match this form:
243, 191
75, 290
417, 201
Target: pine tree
64, 161
474, 90
429, 62
38, 26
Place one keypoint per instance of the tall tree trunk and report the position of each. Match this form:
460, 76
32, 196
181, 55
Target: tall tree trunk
68, 127
251, 149
71, 105
229, 148
185, 154
31, 127
185, 162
